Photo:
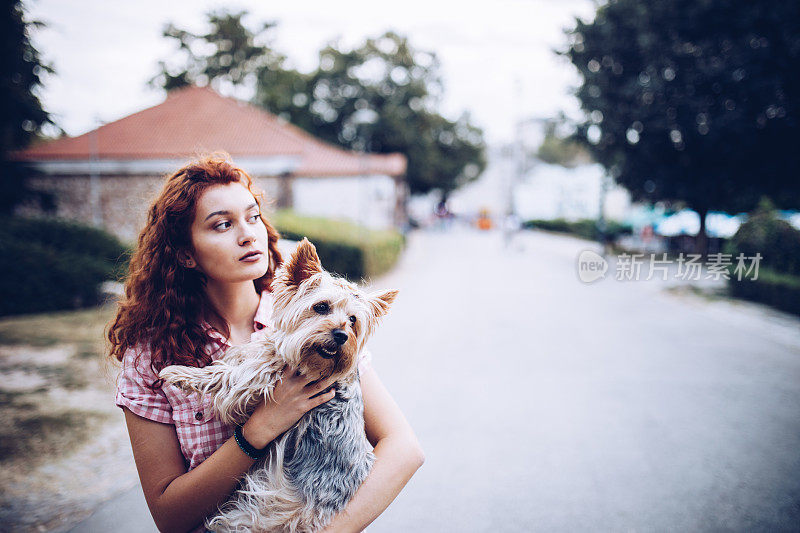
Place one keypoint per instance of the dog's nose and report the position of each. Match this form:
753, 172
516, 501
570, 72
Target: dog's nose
340, 336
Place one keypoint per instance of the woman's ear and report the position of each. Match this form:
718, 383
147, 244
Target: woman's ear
186, 260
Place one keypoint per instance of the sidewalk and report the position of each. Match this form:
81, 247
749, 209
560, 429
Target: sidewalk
126, 513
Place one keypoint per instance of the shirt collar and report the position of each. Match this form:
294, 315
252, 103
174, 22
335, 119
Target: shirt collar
263, 315
261, 320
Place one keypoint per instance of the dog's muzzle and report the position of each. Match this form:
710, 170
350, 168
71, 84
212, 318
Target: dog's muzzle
326, 352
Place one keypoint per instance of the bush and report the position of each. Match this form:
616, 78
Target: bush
343, 247
781, 291
778, 282
586, 228
776, 240
48, 265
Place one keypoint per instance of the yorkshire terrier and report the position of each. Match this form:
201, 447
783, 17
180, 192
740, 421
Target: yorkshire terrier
321, 324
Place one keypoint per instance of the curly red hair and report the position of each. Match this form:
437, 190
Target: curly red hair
165, 304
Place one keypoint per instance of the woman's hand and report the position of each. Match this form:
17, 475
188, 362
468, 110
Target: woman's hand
291, 399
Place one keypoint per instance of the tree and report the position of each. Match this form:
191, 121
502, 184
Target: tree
22, 116
694, 100
560, 149
229, 53
379, 97
382, 97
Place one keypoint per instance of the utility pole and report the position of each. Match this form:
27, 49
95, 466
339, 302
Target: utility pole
94, 176
363, 119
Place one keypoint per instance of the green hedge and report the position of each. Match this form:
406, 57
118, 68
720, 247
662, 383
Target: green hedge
778, 242
781, 291
775, 239
49, 264
586, 228
343, 247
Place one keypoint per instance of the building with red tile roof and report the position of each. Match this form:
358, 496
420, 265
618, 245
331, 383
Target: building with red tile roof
120, 165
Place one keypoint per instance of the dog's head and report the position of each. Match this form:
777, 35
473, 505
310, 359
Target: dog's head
322, 321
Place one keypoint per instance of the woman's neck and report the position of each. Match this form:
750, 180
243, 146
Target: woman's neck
237, 303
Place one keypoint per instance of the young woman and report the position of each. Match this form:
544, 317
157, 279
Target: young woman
198, 284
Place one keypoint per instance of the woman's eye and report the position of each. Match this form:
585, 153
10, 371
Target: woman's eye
322, 308
223, 225
254, 218
353, 319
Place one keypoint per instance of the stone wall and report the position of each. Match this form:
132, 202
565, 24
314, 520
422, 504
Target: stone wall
123, 200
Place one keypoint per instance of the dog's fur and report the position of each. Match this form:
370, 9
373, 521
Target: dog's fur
312, 470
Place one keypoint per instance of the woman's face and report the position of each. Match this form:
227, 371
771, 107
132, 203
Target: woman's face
226, 231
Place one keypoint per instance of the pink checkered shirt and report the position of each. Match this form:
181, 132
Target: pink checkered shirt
200, 433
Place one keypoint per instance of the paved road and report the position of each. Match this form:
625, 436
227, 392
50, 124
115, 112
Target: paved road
545, 404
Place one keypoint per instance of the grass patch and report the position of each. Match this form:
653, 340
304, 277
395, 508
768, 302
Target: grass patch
710, 294
35, 425
67, 376
83, 328
38, 437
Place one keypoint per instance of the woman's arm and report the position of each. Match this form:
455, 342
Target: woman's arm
181, 500
397, 456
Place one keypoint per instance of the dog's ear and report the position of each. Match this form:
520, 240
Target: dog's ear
381, 301
304, 263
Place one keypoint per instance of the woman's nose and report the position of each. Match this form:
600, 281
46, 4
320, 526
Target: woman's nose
247, 235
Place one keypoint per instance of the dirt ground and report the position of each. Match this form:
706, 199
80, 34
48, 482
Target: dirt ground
63, 444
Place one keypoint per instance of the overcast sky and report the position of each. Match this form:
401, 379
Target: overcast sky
105, 51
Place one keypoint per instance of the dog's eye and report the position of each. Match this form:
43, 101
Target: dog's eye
322, 308
353, 319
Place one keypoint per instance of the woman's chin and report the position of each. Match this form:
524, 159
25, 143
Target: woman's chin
257, 270
239, 276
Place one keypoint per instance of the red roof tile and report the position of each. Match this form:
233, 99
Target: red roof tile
196, 120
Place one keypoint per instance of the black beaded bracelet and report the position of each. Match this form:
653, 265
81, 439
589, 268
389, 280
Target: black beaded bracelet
251, 451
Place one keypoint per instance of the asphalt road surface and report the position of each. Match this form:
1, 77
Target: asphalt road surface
547, 404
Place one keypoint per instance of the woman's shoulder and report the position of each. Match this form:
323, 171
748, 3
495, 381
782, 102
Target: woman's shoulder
136, 386
138, 357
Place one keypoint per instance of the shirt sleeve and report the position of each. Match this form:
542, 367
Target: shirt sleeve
134, 392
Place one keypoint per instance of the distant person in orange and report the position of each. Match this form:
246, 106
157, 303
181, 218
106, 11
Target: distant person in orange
484, 222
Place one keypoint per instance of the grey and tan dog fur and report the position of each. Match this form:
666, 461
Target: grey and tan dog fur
322, 323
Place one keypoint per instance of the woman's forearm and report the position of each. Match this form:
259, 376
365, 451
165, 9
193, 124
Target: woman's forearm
181, 500
188, 499
396, 460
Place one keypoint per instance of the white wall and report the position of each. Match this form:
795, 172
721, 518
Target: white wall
552, 191
366, 200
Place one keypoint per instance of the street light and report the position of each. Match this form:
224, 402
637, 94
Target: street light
94, 176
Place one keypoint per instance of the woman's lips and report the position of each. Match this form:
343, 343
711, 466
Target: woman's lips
252, 257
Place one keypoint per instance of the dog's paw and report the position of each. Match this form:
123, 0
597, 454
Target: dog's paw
183, 377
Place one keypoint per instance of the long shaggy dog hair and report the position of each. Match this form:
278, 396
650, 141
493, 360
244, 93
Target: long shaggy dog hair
321, 323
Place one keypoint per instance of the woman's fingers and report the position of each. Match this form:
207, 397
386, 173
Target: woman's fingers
317, 391
323, 397
320, 385
292, 373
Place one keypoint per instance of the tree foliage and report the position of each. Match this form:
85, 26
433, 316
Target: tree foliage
694, 100
229, 52
22, 115
382, 97
561, 149
379, 97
